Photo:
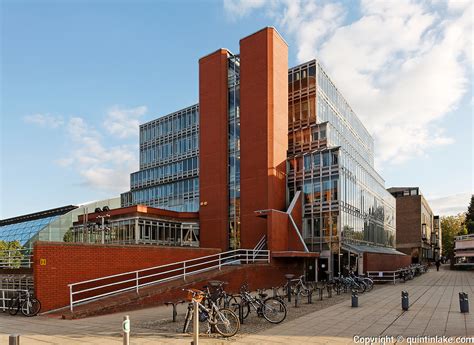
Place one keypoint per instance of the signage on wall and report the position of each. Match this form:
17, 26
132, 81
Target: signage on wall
42, 262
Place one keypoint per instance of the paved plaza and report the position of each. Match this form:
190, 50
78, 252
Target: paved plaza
434, 311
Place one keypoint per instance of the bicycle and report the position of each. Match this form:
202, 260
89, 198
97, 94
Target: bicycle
29, 306
273, 309
219, 295
297, 285
223, 320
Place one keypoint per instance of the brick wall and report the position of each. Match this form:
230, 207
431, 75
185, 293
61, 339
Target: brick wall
385, 262
256, 275
69, 263
408, 221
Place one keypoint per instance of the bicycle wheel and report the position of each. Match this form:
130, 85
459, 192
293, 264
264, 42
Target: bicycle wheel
274, 311
369, 283
227, 322
359, 286
30, 307
14, 306
304, 291
235, 302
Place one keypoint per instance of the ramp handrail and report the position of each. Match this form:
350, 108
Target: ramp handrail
92, 289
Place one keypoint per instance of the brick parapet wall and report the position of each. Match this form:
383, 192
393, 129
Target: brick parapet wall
58, 264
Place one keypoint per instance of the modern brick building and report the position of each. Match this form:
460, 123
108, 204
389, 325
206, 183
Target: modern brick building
265, 133
272, 162
418, 230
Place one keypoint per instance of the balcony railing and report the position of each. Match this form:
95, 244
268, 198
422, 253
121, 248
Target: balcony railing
16, 258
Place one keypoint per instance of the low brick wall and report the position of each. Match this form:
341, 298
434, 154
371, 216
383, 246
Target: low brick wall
58, 264
385, 262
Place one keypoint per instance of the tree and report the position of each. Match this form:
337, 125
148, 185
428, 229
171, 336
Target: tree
470, 216
452, 226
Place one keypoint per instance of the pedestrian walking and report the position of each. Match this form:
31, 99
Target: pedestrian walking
438, 263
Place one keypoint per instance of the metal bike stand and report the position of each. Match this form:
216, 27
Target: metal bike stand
174, 305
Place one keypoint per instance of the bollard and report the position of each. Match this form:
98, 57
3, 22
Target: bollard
463, 302
126, 330
405, 300
355, 299
310, 297
14, 339
320, 290
195, 323
329, 289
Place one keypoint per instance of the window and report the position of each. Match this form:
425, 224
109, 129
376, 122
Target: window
326, 159
307, 163
316, 160
334, 156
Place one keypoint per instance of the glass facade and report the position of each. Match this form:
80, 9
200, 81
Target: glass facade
50, 225
331, 159
24, 231
169, 163
233, 83
138, 230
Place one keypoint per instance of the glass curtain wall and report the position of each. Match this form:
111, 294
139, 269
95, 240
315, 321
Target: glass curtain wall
233, 82
169, 163
331, 159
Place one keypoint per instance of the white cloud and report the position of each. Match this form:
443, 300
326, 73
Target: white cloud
44, 120
450, 204
239, 8
102, 166
122, 122
402, 65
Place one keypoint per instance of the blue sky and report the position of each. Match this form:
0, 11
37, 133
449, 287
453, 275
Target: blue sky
77, 77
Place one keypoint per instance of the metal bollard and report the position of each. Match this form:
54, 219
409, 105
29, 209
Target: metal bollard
310, 297
355, 299
405, 300
14, 339
195, 323
463, 302
126, 330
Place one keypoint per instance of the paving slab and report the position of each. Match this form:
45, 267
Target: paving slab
434, 310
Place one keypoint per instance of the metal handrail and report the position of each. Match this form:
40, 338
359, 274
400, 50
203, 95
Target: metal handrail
3, 300
260, 245
135, 279
16, 258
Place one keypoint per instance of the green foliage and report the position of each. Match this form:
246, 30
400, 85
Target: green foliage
68, 236
11, 254
452, 226
13, 245
470, 216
